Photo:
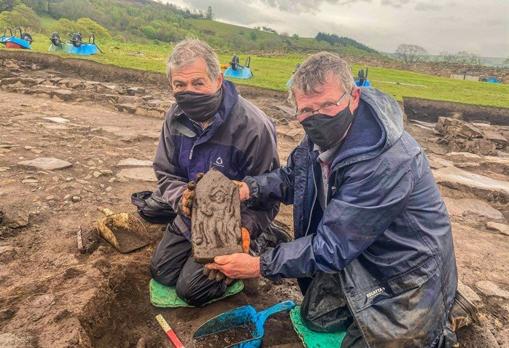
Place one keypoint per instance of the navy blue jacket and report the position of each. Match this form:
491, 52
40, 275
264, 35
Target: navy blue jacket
385, 230
241, 141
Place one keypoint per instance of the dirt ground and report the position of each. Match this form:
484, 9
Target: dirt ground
51, 295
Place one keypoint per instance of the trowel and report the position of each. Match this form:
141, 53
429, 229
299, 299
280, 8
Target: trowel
243, 317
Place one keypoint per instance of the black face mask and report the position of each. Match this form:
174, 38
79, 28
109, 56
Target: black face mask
327, 131
199, 107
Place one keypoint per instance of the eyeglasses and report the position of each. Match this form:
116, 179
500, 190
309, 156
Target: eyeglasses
326, 109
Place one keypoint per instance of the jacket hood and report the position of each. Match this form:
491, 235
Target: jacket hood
377, 126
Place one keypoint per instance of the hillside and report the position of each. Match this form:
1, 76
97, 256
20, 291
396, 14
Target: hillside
272, 66
273, 72
147, 20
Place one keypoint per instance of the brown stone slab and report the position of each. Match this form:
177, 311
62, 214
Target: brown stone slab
215, 218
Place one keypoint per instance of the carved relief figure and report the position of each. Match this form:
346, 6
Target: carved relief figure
216, 216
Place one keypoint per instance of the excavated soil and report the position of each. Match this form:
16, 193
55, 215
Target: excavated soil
54, 295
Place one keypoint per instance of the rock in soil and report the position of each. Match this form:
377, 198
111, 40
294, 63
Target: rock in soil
488, 288
10, 340
464, 136
46, 163
133, 162
501, 228
469, 207
483, 186
142, 174
470, 294
17, 218
59, 120
7, 254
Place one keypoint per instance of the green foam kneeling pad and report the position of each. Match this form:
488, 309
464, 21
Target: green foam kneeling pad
313, 339
166, 296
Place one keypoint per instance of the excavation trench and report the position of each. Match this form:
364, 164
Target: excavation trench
430, 110
120, 315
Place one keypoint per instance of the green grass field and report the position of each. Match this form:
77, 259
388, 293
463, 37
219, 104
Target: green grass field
273, 72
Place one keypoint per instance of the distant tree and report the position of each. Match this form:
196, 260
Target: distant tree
410, 54
39, 6
446, 57
335, 40
468, 58
295, 36
462, 57
89, 27
506, 62
20, 16
7, 5
85, 26
252, 35
210, 14
269, 30
326, 37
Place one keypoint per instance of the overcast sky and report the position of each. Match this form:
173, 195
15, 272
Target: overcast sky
477, 26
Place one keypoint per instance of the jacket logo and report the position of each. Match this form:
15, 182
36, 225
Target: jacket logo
219, 162
375, 292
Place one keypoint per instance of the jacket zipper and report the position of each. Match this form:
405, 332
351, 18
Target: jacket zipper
195, 143
314, 201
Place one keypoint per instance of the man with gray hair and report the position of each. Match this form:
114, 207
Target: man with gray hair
209, 126
373, 251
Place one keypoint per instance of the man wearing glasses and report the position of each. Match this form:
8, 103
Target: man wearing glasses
373, 250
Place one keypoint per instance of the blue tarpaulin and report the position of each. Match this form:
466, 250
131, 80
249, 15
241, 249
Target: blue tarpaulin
83, 50
15, 40
492, 79
240, 73
364, 83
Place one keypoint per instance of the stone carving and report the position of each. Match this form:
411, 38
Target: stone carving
215, 218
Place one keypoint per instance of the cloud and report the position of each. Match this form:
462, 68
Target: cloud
245, 13
306, 5
450, 25
232, 8
395, 3
423, 6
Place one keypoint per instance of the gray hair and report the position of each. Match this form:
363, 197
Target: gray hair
315, 70
187, 51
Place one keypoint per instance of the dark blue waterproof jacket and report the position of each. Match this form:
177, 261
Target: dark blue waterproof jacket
385, 230
240, 141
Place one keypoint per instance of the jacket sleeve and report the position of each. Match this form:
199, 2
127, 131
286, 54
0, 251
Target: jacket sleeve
171, 179
274, 186
370, 197
260, 157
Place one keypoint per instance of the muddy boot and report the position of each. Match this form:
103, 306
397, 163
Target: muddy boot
463, 312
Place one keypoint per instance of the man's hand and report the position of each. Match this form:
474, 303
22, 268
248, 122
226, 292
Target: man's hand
214, 274
186, 201
237, 266
243, 190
